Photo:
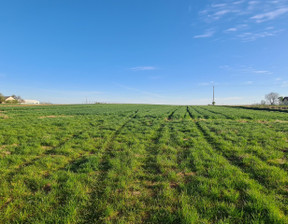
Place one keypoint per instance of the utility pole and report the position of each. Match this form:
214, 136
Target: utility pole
213, 102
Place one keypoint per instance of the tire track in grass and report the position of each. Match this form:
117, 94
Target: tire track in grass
95, 211
110, 206
257, 169
135, 194
158, 168
170, 203
39, 157
90, 159
153, 178
253, 175
236, 157
108, 140
192, 115
240, 113
52, 150
183, 172
11, 175
151, 161
118, 130
218, 113
203, 115
271, 177
256, 198
269, 152
171, 114
47, 153
209, 114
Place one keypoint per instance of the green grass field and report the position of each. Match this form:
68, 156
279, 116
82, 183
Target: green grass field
143, 164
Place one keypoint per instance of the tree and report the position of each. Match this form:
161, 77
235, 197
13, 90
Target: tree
280, 100
18, 99
2, 98
263, 102
272, 98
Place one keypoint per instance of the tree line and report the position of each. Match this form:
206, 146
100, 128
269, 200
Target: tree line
274, 98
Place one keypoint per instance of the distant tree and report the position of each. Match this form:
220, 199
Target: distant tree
2, 98
281, 100
18, 99
263, 102
272, 98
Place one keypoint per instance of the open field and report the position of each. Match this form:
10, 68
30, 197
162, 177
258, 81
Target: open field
143, 164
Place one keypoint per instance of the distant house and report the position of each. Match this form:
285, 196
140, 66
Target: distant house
31, 102
9, 99
285, 100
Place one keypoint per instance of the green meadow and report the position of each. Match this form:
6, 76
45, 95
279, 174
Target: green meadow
143, 164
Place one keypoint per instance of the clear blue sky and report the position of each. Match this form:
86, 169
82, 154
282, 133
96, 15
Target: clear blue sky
144, 51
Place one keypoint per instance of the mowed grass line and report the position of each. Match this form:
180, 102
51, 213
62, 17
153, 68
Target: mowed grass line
30, 177
222, 115
250, 114
254, 201
158, 208
134, 186
99, 208
251, 138
193, 113
164, 176
38, 182
272, 178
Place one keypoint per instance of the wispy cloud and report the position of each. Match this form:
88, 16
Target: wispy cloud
245, 69
280, 82
207, 34
248, 83
262, 72
232, 29
238, 2
249, 17
256, 71
143, 68
284, 84
222, 12
252, 5
236, 28
252, 36
219, 5
269, 15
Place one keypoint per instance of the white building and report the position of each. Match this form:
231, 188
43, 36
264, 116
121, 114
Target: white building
31, 102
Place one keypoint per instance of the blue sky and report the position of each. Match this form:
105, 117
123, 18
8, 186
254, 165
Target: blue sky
144, 51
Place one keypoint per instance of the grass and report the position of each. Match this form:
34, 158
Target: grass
143, 164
